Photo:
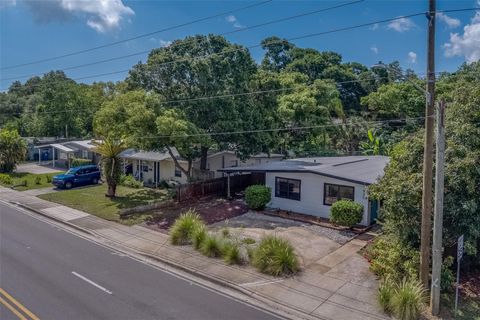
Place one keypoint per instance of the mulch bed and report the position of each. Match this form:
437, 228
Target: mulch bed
313, 220
210, 209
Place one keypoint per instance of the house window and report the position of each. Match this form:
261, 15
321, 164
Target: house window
287, 188
334, 192
233, 163
178, 172
84, 154
144, 168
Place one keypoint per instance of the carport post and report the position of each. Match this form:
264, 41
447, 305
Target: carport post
53, 157
228, 185
39, 155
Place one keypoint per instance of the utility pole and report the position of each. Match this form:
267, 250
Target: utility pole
428, 151
438, 210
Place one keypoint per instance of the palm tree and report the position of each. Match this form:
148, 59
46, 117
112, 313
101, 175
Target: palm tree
110, 150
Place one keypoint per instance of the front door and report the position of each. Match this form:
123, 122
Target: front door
373, 211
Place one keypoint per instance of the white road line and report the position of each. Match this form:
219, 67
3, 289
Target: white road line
91, 282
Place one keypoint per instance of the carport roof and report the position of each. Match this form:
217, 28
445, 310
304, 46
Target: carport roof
357, 169
62, 147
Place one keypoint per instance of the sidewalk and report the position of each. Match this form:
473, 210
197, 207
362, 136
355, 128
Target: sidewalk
337, 286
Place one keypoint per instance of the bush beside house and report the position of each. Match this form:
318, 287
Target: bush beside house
77, 162
257, 196
346, 213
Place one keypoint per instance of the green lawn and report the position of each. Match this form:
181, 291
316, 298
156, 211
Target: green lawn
30, 178
93, 201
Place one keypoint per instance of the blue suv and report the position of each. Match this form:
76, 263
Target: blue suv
77, 176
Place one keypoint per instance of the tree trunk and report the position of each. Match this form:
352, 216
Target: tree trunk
203, 158
177, 164
111, 190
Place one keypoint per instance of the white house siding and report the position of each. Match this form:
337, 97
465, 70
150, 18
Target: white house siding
311, 194
167, 171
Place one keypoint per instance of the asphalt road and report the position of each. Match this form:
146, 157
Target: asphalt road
57, 275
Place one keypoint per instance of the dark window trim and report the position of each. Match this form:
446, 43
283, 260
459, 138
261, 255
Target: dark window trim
177, 172
277, 195
338, 185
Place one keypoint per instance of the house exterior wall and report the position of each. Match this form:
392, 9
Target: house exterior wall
312, 193
167, 171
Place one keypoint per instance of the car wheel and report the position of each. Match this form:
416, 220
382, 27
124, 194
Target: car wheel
68, 185
94, 181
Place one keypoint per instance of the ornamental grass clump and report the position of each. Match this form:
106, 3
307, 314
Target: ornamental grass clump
408, 299
211, 246
198, 236
386, 290
231, 253
182, 230
275, 256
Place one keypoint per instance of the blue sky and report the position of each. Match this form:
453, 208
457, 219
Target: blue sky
41, 29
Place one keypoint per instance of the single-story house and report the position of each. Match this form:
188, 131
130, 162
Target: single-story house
152, 167
32, 150
311, 185
226, 158
63, 153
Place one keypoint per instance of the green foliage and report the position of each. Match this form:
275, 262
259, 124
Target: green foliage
386, 290
211, 246
248, 241
346, 213
5, 179
12, 149
275, 256
77, 162
375, 145
390, 258
198, 235
231, 252
408, 300
447, 278
48, 178
184, 227
129, 181
225, 232
38, 180
24, 183
257, 196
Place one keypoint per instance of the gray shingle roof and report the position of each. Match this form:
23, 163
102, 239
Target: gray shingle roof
359, 169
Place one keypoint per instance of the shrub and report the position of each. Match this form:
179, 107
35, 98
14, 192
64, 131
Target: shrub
129, 181
257, 196
5, 179
38, 180
346, 213
390, 258
184, 227
48, 178
77, 162
231, 253
275, 256
248, 241
408, 299
225, 232
198, 236
211, 246
386, 290
25, 183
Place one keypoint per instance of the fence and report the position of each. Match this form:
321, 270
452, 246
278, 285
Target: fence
217, 186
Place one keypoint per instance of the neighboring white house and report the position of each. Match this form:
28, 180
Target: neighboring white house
153, 167
225, 159
311, 185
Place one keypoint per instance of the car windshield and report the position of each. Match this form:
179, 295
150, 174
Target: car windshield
71, 171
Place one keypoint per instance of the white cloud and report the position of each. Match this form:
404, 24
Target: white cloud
7, 3
401, 24
412, 57
101, 15
234, 21
466, 44
374, 49
449, 21
165, 43
374, 27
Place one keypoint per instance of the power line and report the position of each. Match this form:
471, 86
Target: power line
138, 36
195, 40
278, 41
301, 128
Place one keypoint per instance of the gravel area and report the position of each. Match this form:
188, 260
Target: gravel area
257, 220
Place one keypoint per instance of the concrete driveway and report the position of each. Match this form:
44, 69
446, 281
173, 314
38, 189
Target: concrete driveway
35, 168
